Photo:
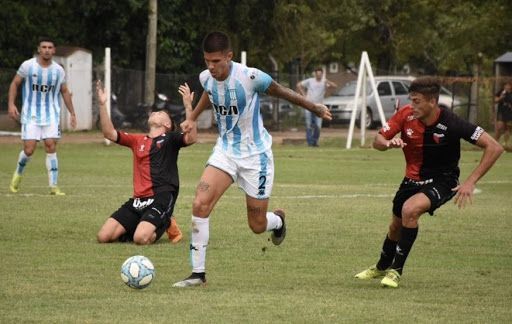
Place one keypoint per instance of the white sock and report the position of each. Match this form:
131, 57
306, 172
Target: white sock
23, 159
52, 165
199, 242
273, 221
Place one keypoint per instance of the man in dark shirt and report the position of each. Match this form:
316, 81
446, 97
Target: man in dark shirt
147, 215
430, 139
503, 123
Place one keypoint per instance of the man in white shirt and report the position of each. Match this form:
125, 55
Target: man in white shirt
314, 90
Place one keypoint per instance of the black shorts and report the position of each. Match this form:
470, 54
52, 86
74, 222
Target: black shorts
156, 209
504, 114
439, 191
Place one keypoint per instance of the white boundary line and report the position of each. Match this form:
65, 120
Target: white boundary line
342, 196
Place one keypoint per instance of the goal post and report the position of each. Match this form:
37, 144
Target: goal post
364, 75
107, 83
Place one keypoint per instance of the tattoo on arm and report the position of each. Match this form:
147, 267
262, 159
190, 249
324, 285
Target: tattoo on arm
277, 90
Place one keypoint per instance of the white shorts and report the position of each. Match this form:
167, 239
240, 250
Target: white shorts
253, 174
35, 132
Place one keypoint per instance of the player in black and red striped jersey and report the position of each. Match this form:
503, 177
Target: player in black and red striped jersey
147, 215
430, 139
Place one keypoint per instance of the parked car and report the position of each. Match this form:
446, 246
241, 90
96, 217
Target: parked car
268, 104
393, 92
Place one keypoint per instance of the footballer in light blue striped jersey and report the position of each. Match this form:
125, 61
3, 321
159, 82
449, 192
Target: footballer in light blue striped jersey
41, 81
243, 151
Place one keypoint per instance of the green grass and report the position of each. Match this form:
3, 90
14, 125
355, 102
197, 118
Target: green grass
338, 206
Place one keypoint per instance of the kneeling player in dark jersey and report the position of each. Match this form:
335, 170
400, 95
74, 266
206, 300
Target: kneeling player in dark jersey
147, 215
430, 139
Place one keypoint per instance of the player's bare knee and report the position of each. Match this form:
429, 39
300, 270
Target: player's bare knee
103, 238
409, 220
411, 210
200, 207
50, 148
29, 151
142, 239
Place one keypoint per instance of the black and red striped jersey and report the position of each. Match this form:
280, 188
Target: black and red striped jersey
432, 150
155, 167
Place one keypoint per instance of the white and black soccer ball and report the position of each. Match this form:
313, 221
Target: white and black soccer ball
137, 272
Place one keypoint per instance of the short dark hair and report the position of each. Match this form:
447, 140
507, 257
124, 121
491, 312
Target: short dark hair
427, 86
45, 39
216, 42
319, 69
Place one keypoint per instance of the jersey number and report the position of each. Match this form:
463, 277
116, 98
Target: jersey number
261, 187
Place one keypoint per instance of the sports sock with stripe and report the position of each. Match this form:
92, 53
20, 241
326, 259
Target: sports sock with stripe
52, 165
23, 159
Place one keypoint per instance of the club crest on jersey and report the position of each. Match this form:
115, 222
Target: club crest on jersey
159, 143
437, 137
409, 132
232, 94
141, 149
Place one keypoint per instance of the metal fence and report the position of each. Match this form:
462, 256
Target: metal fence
473, 97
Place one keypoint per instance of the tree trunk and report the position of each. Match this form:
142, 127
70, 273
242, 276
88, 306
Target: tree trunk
149, 93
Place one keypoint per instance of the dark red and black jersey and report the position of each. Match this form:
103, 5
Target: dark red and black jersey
155, 167
434, 150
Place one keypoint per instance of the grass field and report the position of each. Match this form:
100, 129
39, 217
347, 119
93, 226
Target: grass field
338, 206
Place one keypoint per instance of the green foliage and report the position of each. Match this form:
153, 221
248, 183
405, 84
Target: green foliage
338, 204
432, 35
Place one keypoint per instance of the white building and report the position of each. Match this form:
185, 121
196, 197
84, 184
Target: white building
77, 63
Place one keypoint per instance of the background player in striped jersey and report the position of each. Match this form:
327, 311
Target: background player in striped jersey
42, 81
147, 215
243, 151
430, 139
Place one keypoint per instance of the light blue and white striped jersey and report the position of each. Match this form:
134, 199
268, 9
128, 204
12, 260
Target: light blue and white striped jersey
237, 110
40, 92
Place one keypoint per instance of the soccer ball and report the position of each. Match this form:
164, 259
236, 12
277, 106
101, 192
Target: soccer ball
137, 272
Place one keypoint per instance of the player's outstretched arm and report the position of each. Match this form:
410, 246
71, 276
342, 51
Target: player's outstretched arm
277, 90
492, 151
190, 136
204, 102
109, 132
